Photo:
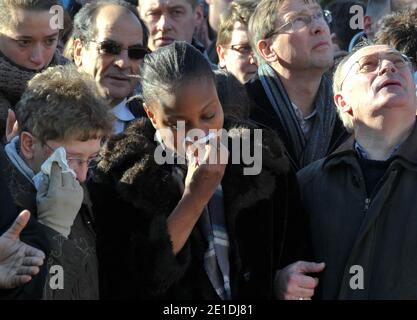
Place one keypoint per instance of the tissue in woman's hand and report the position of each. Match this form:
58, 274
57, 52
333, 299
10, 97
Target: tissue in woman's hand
59, 156
199, 145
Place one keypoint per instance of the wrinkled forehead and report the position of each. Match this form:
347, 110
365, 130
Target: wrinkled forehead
297, 6
118, 24
369, 50
157, 4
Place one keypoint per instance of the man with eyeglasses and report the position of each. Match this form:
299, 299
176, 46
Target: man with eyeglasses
291, 93
360, 198
62, 122
109, 44
233, 47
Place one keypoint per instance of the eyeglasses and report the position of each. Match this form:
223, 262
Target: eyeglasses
373, 62
135, 52
301, 21
244, 49
78, 162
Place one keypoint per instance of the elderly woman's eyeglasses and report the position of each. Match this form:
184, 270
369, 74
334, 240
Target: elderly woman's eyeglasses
373, 62
301, 21
78, 162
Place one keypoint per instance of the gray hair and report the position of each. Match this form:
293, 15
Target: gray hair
339, 76
85, 19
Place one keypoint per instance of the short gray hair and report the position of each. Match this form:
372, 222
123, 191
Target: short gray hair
339, 76
85, 19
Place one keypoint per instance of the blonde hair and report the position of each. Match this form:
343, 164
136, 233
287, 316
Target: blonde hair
239, 11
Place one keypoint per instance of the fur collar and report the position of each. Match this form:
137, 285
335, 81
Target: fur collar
128, 163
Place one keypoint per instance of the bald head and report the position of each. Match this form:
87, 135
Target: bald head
372, 82
116, 18
95, 15
347, 62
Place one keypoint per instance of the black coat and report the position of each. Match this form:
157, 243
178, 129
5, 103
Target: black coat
12, 203
76, 255
352, 229
133, 196
262, 112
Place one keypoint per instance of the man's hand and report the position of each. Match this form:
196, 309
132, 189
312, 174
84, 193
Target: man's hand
59, 199
291, 283
18, 261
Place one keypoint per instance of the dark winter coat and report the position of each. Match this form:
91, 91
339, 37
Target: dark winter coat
133, 196
12, 203
350, 229
76, 255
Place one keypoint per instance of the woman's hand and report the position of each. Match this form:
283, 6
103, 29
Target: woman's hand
204, 177
200, 184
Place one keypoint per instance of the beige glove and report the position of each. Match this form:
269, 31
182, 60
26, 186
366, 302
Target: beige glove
59, 199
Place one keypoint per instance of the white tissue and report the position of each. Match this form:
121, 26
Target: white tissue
201, 141
59, 156
200, 145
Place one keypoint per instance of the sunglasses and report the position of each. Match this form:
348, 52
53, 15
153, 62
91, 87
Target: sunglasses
135, 52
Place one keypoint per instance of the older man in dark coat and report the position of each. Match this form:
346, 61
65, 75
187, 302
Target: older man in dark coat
360, 198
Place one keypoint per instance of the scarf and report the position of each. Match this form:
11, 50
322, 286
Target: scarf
13, 82
16, 159
318, 144
14, 78
213, 227
216, 257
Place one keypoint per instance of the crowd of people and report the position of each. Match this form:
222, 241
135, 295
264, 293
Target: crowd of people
208, 150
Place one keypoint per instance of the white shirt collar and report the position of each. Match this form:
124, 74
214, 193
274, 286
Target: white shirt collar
122, 112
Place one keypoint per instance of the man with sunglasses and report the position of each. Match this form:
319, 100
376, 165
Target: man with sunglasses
62, 122
360, 198
109, 44
291, 93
